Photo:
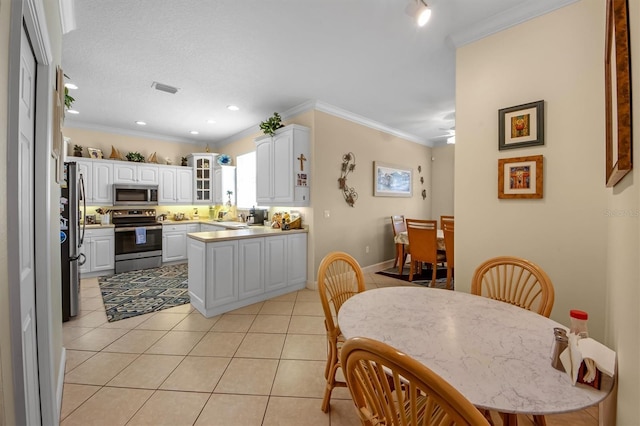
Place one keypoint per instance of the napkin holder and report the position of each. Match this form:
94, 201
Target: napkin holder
580, 349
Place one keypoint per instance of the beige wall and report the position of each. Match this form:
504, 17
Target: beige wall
622, 273
126, 143
351, 229
590, 255
6, 389
442, 181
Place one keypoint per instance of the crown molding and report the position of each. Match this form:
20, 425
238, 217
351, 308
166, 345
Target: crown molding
335, 111
507, 19
126, 132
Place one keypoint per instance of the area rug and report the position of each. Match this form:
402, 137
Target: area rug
423, 279
128, 294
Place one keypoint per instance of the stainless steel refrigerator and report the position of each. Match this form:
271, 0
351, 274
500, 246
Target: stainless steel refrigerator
72, 206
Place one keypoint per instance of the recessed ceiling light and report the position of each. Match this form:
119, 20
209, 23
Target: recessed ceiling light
194, 132
73, 111
210, 121
70, 86
232, 108
141, 123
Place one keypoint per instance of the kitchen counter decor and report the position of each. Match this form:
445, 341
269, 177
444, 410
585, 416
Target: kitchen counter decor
224, 160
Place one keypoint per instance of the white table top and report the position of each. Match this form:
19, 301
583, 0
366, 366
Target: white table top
494, 353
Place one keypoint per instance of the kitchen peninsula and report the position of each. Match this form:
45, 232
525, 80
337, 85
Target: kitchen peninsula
235, 268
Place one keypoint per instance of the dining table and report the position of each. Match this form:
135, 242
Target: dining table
496, 354
401, 239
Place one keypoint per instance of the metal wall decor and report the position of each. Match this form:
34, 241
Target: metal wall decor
424, 191
348, 165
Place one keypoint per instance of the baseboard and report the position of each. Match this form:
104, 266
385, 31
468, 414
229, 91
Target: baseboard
371, 269
60, 387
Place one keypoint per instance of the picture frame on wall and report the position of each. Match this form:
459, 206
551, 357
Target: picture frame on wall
520, 177
392, 181
521, 126
618, 142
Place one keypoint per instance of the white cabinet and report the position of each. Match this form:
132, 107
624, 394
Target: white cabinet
174, 241
141, 174
99, 251
98, 180
228, 274
283, 166
175, 185
250, 267
224, 180
275, 255
202, 166
206, 227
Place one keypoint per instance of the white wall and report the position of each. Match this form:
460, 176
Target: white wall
442, 181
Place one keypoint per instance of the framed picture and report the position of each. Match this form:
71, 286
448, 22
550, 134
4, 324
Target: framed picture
520, 177
95, 153
391, 181
521, 126
618, 146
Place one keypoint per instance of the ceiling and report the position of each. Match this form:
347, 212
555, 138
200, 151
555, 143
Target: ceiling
363, 59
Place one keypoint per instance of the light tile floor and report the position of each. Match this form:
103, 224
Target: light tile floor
259, 365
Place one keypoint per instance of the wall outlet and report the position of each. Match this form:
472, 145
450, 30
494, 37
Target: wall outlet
366, 249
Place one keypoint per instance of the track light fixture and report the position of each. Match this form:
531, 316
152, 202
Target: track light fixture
419, 10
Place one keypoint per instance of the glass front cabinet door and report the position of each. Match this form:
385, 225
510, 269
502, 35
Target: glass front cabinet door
202, 165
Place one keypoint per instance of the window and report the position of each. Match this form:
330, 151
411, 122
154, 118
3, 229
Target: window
246, 180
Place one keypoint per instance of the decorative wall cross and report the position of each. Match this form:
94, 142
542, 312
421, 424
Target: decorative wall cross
302, 159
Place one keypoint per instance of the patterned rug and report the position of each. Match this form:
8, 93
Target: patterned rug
134, 293
423, 279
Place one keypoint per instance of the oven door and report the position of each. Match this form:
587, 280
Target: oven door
134, 242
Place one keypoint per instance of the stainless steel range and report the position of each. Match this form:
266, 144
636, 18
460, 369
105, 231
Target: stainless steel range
138, 239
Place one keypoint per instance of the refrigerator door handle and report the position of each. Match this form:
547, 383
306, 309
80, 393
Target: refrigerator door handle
81, 259
84, 209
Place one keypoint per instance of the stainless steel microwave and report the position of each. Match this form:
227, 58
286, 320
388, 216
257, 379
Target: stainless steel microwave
135, 195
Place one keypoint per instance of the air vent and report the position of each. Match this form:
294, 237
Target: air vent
164, 88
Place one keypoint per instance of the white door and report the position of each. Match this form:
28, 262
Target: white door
26, 222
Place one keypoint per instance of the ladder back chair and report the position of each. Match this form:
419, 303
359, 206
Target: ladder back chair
423, 238
398, 225
448, 227
339, 278
390, 388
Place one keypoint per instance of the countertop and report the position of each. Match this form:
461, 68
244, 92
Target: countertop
98, 226
239, 234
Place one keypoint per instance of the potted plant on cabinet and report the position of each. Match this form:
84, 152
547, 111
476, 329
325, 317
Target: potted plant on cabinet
272, 124
136, 157
77, 150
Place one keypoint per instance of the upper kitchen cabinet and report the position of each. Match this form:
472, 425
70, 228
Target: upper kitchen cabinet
142, 174
98, 180
202, 166
224, 178
283, 167
175, 185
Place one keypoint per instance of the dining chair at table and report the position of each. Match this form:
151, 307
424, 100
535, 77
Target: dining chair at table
390, 388
519, 282
444, 219
423, 238
448, 229
398, 225
339, 278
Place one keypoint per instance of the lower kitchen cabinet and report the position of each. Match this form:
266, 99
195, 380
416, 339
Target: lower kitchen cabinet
228, 274
174, 241
99, 251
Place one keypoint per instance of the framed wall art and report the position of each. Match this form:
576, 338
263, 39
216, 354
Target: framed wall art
520, 177
521, 126
95, 153
392, 181
618, 146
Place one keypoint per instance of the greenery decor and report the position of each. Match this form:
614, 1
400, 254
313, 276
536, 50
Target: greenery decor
136, 157
68, 99
77, 150
272, 124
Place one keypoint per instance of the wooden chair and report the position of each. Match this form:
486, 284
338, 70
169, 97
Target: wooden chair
443, 219
448, 228
519, 282
515, 280
339, 278
398, 225
390, 388
423, 238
